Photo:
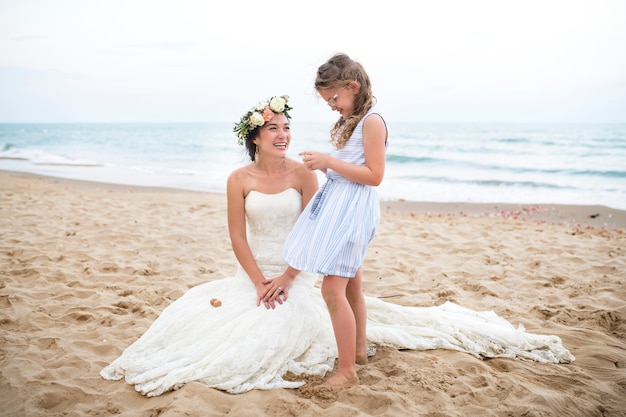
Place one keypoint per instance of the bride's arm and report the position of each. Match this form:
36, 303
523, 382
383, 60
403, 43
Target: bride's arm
309, 184
238, 237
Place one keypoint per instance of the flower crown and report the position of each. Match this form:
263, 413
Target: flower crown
258, 115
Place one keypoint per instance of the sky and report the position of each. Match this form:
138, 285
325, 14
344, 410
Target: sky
205, 61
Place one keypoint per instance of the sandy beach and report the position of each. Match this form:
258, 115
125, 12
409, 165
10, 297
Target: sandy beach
87, 267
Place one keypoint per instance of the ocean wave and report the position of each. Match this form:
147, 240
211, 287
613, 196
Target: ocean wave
464, 162
40, 157
481, 182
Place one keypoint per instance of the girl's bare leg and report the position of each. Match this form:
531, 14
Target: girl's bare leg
344, 326
354, 293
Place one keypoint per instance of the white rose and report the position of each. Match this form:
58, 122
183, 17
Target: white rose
262, 105
277, 105
256, 119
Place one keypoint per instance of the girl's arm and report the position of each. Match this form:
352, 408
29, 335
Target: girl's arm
308, 186
374, 139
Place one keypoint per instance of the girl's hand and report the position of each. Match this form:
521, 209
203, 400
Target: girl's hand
313, 160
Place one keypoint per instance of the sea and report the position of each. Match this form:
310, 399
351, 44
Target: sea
577, 164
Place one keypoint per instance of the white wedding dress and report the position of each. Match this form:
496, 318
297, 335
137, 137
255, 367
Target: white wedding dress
238, 346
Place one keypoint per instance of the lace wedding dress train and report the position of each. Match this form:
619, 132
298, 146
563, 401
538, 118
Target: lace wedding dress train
238, 346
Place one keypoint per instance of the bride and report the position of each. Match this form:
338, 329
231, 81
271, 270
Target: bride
241, 333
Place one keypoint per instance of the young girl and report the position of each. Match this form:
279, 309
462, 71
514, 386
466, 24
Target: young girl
332, 234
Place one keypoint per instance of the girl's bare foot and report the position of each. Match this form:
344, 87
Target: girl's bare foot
361, 357
342, 381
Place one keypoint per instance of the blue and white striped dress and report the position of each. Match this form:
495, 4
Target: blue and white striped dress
333, 232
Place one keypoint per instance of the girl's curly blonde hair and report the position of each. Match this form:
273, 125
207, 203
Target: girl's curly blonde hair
340, 71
